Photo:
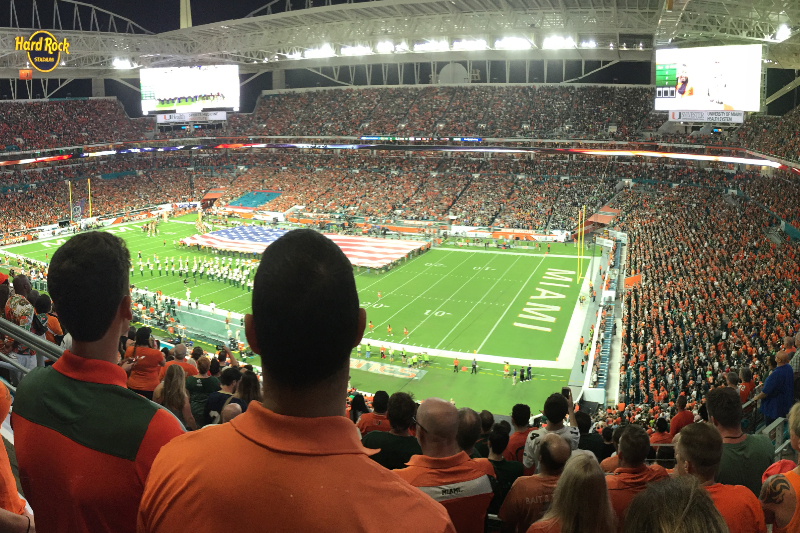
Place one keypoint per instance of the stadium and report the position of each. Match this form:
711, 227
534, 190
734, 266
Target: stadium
524, 247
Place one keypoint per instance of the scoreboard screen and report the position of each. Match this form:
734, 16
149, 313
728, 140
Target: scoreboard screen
712, 78
189, 89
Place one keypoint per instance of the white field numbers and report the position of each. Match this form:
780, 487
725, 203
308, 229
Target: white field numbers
430, 312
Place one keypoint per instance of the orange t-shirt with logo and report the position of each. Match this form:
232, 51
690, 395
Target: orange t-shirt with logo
739, 508
527, 501
516, 443
373, 422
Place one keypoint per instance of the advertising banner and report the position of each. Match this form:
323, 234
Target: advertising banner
191, 117
731, 117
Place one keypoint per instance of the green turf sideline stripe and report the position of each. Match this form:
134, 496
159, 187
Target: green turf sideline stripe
511, 303
423, 292
454, 293
381, 278
478, 302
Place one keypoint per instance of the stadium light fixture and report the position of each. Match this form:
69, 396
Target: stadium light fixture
513, 43
384, 47
122, 63
401, 47
588, 44
358, 50
325, 50
294, 55
783, 33
556, 42
431, 46
474, 44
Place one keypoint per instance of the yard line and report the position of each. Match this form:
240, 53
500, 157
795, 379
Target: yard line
478, 302
510, 304
380, 277
420, 296
454, 293
404, 284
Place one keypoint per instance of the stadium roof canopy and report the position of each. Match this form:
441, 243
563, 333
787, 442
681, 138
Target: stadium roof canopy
104, 45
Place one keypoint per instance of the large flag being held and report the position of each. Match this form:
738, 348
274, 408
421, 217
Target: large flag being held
363, 251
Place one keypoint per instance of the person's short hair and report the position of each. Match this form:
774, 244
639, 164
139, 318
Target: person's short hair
487, 421
43, 304
197, 353
498, 437
304, 280
732, 378
230, 375
88, 278
469, 428
681, 402
143, 336
584, 422
701, 445
788, 341
521, 414
696, 512
380, 401
634, 445
556, 408
546, 458
618, 431
214, 366
608, 433
725, 405
506, 425
746, 374
662, 425
203, 364
400, 411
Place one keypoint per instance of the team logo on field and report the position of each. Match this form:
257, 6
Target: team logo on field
44, 50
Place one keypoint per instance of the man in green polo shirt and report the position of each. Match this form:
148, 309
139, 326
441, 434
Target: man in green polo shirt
414, 361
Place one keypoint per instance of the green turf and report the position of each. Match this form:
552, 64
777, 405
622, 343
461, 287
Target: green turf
451, 298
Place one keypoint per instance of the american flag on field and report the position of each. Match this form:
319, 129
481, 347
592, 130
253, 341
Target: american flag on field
363, 251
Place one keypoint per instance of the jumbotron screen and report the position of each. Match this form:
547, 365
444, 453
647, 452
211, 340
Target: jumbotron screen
189, 89
713, 78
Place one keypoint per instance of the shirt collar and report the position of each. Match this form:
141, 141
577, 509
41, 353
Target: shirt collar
636, 470
90, 370
438, 463
296, 435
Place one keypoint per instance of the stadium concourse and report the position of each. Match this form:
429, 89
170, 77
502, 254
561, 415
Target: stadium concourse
705, 318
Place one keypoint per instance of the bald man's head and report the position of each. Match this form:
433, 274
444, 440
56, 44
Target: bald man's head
22, 285
230, 411
782, 358
437, 422
553, 454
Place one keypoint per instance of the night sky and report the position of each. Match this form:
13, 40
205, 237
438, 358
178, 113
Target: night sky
160, 16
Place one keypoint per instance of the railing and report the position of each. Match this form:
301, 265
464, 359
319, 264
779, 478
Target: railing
42, 347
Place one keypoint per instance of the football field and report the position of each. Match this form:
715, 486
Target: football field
501, 305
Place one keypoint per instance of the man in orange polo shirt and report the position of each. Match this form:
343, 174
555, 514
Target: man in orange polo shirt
633, 475
698, 453
179, 352
296, 451
682, 418
447, 474
376, 420
84, 442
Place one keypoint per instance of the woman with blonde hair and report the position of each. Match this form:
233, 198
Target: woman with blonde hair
674, 505
580, 501
171, 393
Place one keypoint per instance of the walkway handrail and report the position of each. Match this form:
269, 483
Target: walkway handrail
26, 338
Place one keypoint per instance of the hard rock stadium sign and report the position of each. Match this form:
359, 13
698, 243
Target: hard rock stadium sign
44, 50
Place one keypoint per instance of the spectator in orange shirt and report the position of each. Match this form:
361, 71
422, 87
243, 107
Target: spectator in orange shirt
747, 384
632, 476
520, 416
308, 481
9, 497
147, 362
179, 352
376, 420
681, 418
780, 494
580, 501
661, 434
698, 453
676, 504
444, 472
530, 496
